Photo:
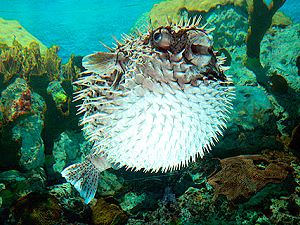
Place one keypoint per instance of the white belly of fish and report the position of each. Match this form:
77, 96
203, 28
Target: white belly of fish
165, 129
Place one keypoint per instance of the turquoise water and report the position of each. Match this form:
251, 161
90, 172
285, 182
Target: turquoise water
77, 26
291, 8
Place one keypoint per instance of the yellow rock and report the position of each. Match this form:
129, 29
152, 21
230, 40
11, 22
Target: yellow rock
171, 9
206, 5
280, 19
10, 29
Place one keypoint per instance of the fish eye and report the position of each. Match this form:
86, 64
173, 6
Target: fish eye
161, 39
157, 36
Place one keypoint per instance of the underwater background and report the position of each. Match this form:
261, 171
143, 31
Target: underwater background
82, 25
76, 26
252, 176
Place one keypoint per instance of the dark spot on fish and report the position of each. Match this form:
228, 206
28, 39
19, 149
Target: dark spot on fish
199, 49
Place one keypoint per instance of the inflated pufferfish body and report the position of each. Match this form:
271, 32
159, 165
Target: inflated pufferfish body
154, 102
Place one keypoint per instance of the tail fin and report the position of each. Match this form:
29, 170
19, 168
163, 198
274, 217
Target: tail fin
84, 176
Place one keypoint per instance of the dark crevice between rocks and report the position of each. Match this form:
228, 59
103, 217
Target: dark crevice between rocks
55, 123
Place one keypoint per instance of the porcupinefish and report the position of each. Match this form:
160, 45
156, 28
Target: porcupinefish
155, 102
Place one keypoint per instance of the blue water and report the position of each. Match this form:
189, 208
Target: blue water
78, 25
291, 8
75, 25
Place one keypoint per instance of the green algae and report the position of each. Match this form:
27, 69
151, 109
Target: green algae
25, 62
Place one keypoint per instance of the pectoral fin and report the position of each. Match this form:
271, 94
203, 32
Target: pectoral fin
100, 62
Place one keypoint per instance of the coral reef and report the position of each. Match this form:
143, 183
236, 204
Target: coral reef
199, 205
27, 61
109, 184
68, 198
260, 20
132, 202
52, 63
229, 27
39, 209
69, 70
25, 74
16, 100
105, 212
29, 131
285, 209
278, 84
252, 125
192, 201
294, 142
19, 184
281, 57
66, 150
25, 108
298, 64
241, 176
2, 187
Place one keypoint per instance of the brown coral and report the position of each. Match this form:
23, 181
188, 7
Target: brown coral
21, 105
52, 63
11, 60
15, 100
26, 62
105, 213
70, 71
38, 209
242, 176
